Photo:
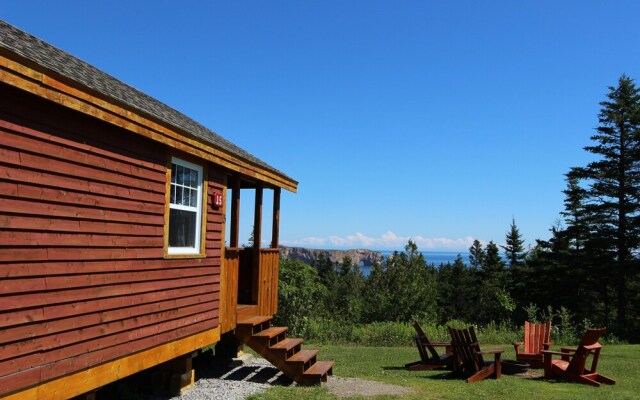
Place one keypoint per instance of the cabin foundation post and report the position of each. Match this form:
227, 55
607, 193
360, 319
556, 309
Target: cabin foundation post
229, 347
174, 376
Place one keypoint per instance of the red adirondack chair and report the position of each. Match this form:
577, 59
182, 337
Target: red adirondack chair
468, 357
536, 339
429, 357
572, 366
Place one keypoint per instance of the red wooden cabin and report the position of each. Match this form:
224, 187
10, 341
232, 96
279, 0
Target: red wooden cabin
112, 228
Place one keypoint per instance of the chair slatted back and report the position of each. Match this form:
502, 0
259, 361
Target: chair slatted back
535, 335
423, 343
465, 345
578, 361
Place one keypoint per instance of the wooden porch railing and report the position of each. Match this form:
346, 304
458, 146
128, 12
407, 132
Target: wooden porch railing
268, 286
246, 282
229, 289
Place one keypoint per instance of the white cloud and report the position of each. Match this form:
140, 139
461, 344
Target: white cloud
387, 241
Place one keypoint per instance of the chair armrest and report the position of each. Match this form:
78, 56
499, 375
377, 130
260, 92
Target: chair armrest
593, 346
558, 353
516, 347
496, 351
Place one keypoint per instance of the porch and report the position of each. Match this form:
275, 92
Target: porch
251, 285
249, 297
249, 276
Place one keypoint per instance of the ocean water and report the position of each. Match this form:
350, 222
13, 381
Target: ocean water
432, 257
438, 257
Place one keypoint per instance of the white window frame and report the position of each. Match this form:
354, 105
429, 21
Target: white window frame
197, 209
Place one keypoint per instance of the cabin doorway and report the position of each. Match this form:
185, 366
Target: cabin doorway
249, 273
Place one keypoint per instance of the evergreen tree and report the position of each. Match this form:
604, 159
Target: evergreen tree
456, 292
476, 254
513, 248
300, 295
347, 300
491, 287
411, 285
493, 266
613, 192
326, 271
575, 213
377, 295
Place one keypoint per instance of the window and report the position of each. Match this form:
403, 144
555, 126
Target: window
185, 208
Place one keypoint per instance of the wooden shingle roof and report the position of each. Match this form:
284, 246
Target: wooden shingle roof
42, 56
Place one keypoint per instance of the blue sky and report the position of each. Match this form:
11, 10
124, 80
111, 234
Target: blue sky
436, 121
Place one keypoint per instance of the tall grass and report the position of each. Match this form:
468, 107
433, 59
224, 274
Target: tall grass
389, 334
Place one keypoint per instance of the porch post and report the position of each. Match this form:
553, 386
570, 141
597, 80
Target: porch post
276, 219
257, 222
257, 238
235, 214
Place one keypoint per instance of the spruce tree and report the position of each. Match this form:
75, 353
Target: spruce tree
575, 212
613, 191
493, 266
513, 248
476, 254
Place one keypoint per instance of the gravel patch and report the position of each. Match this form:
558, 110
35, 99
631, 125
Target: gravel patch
217, 389
215, 382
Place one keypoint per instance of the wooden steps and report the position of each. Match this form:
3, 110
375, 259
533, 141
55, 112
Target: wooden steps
284, 353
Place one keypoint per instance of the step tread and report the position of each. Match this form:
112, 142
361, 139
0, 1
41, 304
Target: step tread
287, 344
253, 321
271, 332
302, 356
319, 368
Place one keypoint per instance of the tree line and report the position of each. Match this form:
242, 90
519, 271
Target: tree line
586, 274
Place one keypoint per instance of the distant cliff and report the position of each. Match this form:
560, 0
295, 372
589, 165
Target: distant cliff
360, 256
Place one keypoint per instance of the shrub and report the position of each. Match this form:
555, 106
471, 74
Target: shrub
384, 334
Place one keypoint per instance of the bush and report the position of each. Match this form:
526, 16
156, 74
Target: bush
327, 330
502, 333
390, 334
384, 334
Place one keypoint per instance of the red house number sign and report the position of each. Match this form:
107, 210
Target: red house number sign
217, 199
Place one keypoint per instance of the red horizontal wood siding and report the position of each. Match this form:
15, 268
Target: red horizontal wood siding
83, 278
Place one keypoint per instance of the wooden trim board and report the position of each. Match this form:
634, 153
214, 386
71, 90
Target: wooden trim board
90, 379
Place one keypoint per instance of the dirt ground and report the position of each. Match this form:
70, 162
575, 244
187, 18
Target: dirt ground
349, 387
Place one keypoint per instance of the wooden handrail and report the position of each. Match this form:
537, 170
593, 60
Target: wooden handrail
269, 250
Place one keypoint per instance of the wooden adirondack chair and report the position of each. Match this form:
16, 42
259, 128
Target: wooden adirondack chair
429, 357
536, 338
572, 366
468, 357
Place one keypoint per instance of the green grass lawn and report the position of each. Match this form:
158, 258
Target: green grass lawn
385, 364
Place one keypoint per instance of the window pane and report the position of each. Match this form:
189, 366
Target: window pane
179, 195
193, 182
173, 173
179, 175
182, 228
194, 197
187, 197
173, 194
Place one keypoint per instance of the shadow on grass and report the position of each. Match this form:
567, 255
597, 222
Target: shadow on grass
394, 368
441, 374
444, 376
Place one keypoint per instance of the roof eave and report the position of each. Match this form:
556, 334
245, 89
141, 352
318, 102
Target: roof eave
24, 74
